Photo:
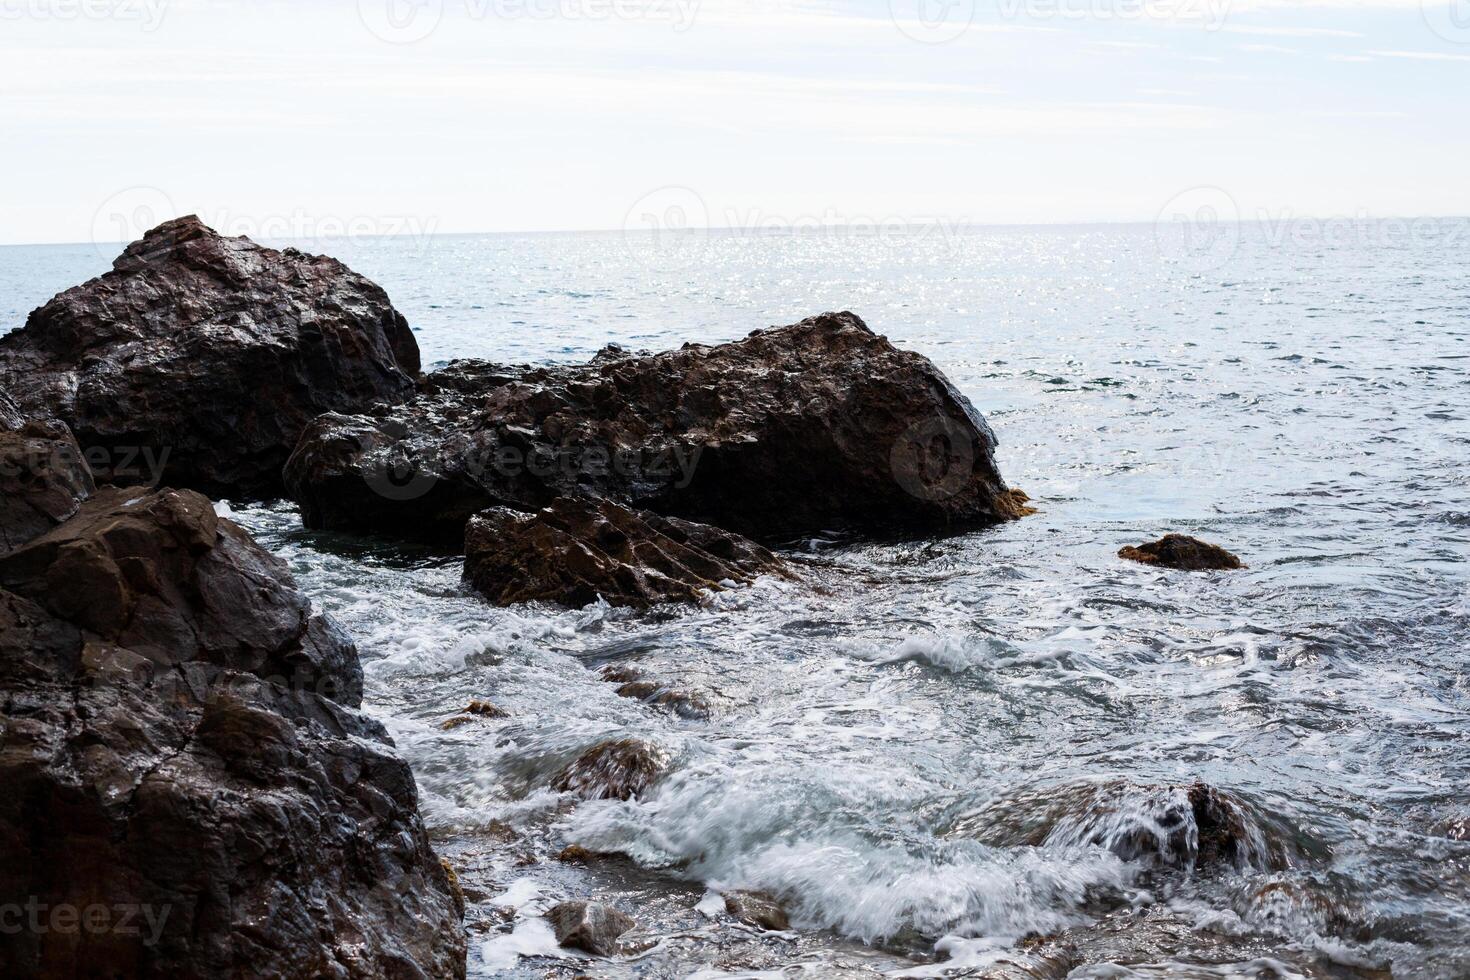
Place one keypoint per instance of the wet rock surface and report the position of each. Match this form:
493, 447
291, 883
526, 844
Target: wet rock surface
589, 926
199, 359
43, 478
1192, 826
578, 549
619, 770
751, 435
1182, 552
181, 741
757, 909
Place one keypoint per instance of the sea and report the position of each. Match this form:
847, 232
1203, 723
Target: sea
941, 754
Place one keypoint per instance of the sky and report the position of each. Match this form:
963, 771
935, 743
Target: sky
313, 118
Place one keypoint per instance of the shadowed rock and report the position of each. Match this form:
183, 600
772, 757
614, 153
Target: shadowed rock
615, 770
180, 737
589, 926
797, 429
1182, 552
198, 360
43, 478
580, 548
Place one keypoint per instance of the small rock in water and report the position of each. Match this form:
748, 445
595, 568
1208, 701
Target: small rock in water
575, 854
684, 703
757, 909
619, 769
1182, 552
589, 926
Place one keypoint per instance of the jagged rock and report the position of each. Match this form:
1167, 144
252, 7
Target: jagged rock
757, 909
181, 740
198, 360
162, 575
1182, 552
589, 926
817, 425
578, 549
43, 478
615, 770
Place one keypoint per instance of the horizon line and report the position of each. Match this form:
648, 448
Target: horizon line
790, 230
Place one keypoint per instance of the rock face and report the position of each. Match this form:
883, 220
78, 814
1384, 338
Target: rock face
43, 478
185, 771
818, 425
1182, 552
199, 359
580, 548
589, 926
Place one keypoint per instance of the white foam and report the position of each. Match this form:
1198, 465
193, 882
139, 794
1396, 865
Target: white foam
531, 937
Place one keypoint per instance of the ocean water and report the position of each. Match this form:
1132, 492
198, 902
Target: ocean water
935, 748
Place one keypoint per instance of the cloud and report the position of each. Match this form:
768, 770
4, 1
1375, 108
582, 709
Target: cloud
1421, 55
1261, 31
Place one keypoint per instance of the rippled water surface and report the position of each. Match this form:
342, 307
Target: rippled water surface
932, 749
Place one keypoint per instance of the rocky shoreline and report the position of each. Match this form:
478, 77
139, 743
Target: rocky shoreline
183, 732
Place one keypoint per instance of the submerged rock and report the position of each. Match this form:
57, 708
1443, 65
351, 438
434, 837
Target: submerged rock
181, 743
1182, 552
615, 770
589, 926
796, 429
757, 909
198, 360
43, 478
579, 549
682, 702
1195, 826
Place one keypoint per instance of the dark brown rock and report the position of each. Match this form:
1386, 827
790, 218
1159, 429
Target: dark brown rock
757, 909
682, 702
818, 425
615, 770
578, 549
1182, 552
159, 573
199, 359
43, 478
178, 737
589, 926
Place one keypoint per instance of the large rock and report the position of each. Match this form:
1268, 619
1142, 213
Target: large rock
198, 360
189, 790
818, 425
43, 478
581, 548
